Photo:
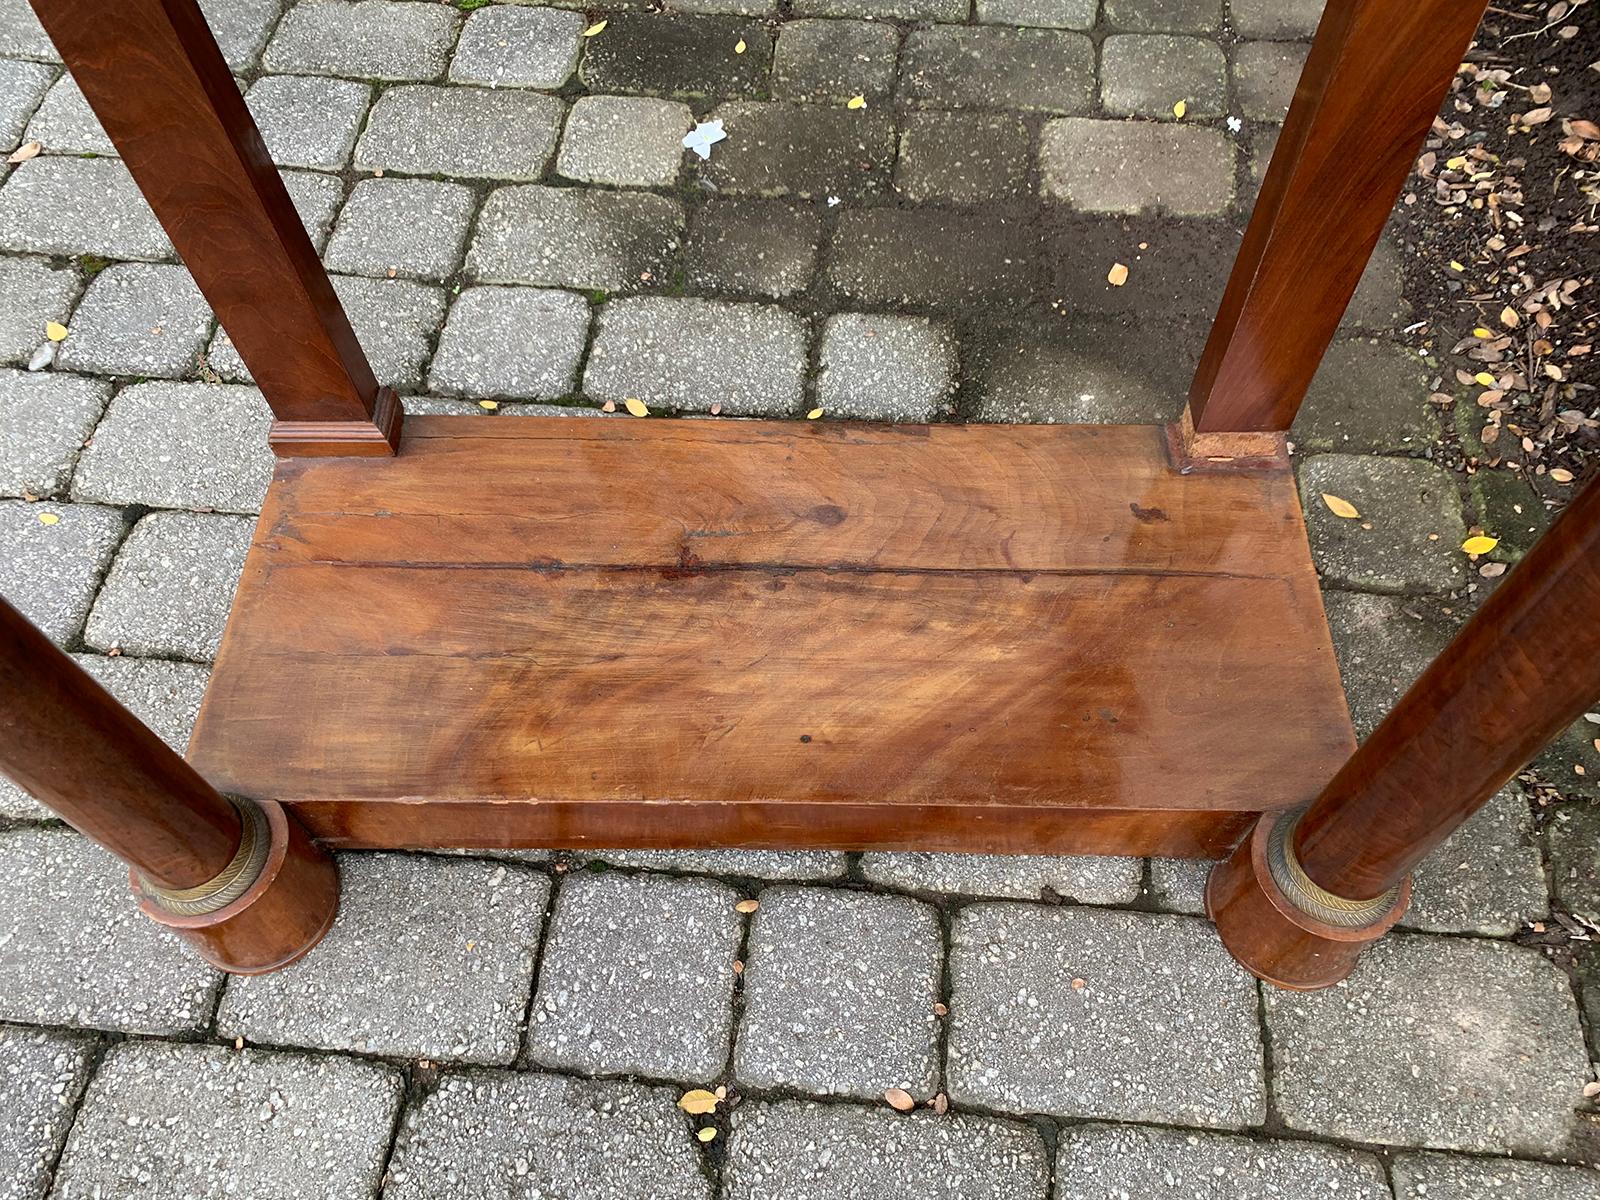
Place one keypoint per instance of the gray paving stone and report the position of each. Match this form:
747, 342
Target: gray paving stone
681, 55
839, 989
368, 39
759, 864
450, 981
1136, 166
637, 977
625, 141
411, 227
1275, 18
309, 122
1017, 876
789, 1149
78, 951
474, 133
180, 445
1163, 1027
1146, 74
485, 1135
210, 1122
1508, 507
53, 205
752, 247
1164, 16
1487, 878
138, 319
21, 35
1264, 77
32, 294
963, 158
44, 420
1047, 14
1408, 536
831, 61
804, 150
886, 368
553, 410
22, 86
169, 589
42, 1074
50, 570
1574, 838
575, 237
1179, 884
904, 10
65, 124
518, 47
894, 257
687, 355
1561, 760
1095, 1161
316, 198
1430, 1176
516, 342
1450, 1043
1079, 372
1176, 274
1383, 644
1367, 397
745, 8
1259, 143
241, 27
1036, 70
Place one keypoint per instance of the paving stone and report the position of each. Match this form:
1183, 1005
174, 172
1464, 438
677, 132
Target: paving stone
886, 368
834, 60
518, 47
892, 257
1036, 70
552, 410
79, 952
491, 1135
1367, 397
680, 55
241, 27
803, 150
790, 1149
1275, 18
1260, 142
1088, 371
1574, 837
625, 141
171, 585
1383, 644
744, 8
1162, 1029
687, 355
1506, 506
412, 227
44, 420
180, 445
1450, 1043
53, 205
759, 864
575, 237
65, 124
1179, 884
1265, 75
42, 1074
963, 158
50, 571
1164, 16
22, 86
32, 294
474, 133
752, 247
1048, 14
1487, 878
369, 39
1095, 1161
506, 341
1414, 513
904, 10
208, 1121
1424, 1176
450, 981
138, 319
1176, 273
1136, 166
1379, 302
1019, 876
1560, 761
394, 320
21, 35
316, 198
306, 121
839, 989
637, 977
1145, 74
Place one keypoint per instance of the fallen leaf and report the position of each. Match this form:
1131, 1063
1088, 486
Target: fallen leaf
49, 518
1509, 318
698, 1102
1481, 332
1492, 570
1480, 544
1340, 507
1181, 107
899, 1099
856, 101
1484, 378
636, 406
739, 49
1455, 164
708, 1134
1539, 93
747, 906
813, 414
716, 410
1455, 266
609, 406
941, 1104
1537, 116
488, 405
940, 1010
1118, 275
1561, 474
24, 152
55, 331
597, 27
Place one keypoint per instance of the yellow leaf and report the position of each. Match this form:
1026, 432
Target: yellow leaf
747, 906
698, 1102
708, 1134
1484, 378
813, 414
1481, 332
1118, 275
488, 405
1456, 163
856, 101
740, 48
55, 331
1480, 544
1181, 107
597, 27
636, 406
48, 518
1340, 507
1455, 266
1561, 474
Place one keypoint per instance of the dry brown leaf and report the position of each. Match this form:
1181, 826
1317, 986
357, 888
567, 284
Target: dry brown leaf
747, 906
1118, 275
1537, 116
1509, 318
899, 1099
941, 1104
24, 152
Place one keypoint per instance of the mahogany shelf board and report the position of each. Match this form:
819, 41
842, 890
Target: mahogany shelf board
578, 632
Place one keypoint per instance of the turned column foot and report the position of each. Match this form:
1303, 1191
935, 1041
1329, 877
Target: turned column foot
265, 909
1283, 928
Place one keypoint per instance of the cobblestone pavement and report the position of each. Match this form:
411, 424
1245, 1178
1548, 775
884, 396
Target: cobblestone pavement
513, 226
